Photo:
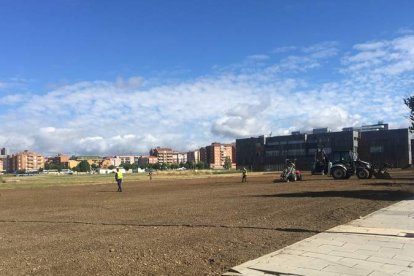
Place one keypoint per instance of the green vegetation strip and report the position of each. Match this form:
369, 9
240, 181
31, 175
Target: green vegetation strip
43, 180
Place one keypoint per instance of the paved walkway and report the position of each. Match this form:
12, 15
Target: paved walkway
381, 243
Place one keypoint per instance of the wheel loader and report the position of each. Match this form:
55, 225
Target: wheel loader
349, 164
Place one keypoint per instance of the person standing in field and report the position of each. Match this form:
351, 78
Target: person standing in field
244, 175
150, 175
119, 177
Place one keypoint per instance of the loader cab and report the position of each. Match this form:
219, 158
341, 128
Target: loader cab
344, 157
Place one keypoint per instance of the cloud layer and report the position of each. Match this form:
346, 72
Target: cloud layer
294, 88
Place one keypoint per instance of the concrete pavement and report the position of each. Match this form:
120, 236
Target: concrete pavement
381, 243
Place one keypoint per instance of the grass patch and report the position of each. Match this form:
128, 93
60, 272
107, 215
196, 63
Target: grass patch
43, 181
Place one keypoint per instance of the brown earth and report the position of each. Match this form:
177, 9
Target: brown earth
176, 227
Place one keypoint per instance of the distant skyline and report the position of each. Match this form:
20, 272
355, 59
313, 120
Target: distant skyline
119, 77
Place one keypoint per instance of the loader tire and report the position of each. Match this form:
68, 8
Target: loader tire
362, 174
338, 173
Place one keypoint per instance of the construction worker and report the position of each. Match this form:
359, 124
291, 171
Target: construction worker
244, 175
119, 177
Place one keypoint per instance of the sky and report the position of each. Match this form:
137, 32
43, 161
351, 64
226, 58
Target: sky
120, 77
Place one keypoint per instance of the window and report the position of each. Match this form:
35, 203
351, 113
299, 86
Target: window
272, 153
296, 152
376, 149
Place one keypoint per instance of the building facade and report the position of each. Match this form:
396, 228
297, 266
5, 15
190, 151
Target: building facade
3, 163
217, 154
250, 153
148, 159
164, 155
128, 159
392, 146
373, 143
302, 147
193, 156
26, 161
179, 158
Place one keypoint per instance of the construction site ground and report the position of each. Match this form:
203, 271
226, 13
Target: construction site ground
200, 226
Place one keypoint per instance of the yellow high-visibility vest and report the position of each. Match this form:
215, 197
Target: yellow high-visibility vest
119, 175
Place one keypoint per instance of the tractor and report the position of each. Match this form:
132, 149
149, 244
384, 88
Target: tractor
290, 173
349, 164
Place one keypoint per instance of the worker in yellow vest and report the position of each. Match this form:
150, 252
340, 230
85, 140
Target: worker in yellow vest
244, 175
119, 177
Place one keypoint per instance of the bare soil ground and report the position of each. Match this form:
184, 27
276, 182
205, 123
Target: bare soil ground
198, 226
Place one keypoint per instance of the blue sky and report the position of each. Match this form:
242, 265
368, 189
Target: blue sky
112, 77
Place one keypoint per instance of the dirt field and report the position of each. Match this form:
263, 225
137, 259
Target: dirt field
201, 226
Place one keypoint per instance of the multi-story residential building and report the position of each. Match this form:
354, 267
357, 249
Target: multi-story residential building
218, 154
205, 154
3, 160
116, 161
147, 159
60, 159
193, 156
92, 160
164, 155
106, 163
128, 159
3, 163
179, 158
26, 160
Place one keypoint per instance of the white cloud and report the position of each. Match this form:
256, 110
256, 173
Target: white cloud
385, 58
126, 116
12, 99
258, 57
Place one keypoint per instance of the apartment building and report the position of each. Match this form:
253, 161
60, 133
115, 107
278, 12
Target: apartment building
106, 163
217, 154
3, 163
205, 155
26, 160
147, 159
164, 155
193, 156
92, 160
179, 158
128, 159
3, 160
60, 159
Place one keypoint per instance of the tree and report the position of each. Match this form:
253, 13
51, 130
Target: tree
189, 165
201, 165
111, 167
54, 166
126, 166
410, 103
83, 166
227, 163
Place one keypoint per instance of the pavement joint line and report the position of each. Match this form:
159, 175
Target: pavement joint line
274, 272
